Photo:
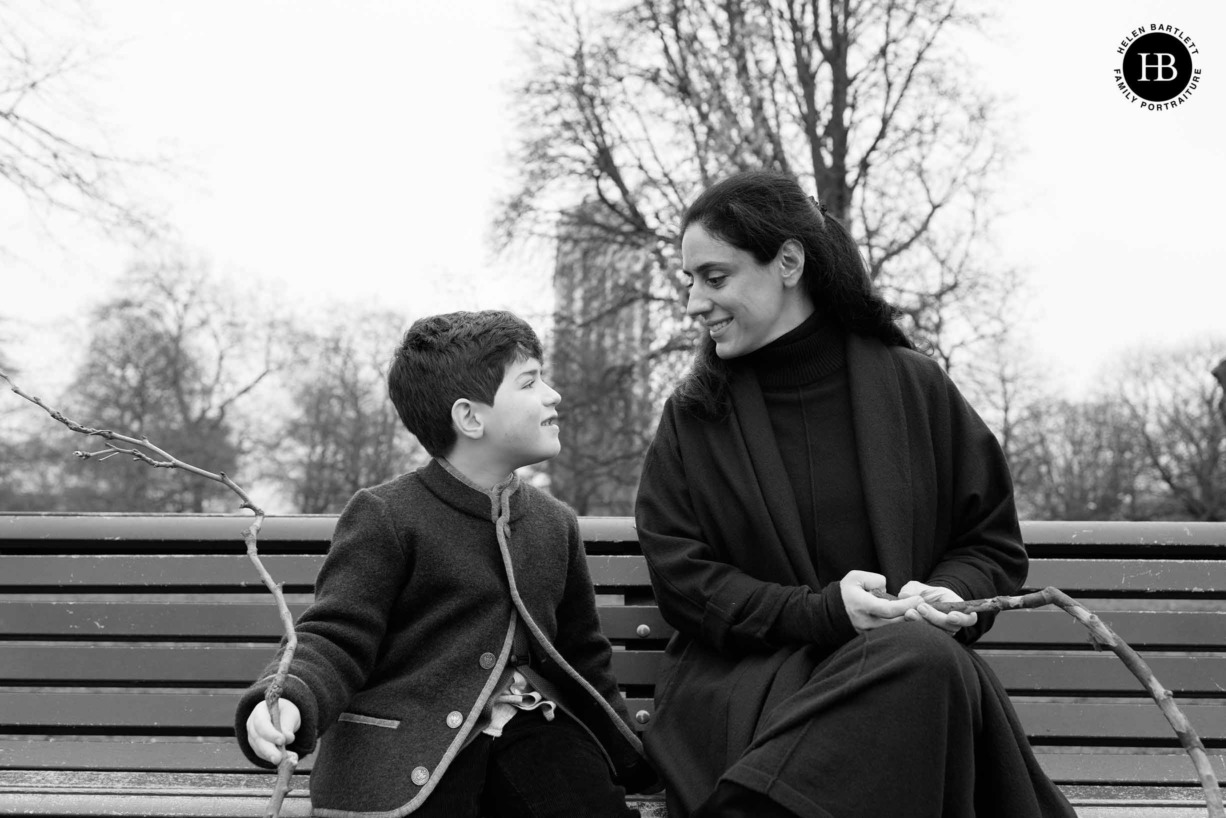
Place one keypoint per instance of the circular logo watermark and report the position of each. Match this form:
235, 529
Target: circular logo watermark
1158, 70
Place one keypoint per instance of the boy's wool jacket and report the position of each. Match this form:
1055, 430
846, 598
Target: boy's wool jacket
732, 572
411, 630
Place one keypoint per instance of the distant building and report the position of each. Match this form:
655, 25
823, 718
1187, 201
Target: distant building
604, 327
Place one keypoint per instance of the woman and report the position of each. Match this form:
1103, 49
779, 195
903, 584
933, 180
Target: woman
810, 465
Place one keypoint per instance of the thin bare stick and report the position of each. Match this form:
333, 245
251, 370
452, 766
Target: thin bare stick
1103, 636
149, 454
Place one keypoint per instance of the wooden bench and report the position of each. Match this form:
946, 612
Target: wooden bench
125, 639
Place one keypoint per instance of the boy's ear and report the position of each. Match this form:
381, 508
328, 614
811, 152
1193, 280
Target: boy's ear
466, 420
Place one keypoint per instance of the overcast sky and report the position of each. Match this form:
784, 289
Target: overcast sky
354, 151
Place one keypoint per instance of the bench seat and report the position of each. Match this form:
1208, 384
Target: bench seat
125, 641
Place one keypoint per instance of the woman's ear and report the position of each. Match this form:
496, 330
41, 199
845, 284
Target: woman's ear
791, 261
466, 420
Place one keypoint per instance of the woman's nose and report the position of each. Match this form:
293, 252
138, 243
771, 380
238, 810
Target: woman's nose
697, 303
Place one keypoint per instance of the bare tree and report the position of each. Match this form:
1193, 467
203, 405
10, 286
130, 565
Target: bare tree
342, 432
53, 152
636, 110
598, 366
1175, 400
6, 363
1219, 375
1081, 460
171, 358
32, 469
627, 114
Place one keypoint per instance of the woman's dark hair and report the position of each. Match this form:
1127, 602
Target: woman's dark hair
757, 211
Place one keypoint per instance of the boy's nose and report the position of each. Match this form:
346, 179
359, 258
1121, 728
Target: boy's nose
553, 398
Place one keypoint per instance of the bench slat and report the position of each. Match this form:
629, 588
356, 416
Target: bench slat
1133, 721
202, 804
185, 712
222, 665
43, 527
257, 619
1135, 767
1032, 672
127, 753
222, 755
242, 620
152, 570
189, 713
179, 528
1180, 576
177, 570
1137, 628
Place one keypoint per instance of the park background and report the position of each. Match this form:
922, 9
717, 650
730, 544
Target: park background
215, 220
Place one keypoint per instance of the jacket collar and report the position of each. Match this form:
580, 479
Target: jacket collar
762, 453
884, 450
880, 426
453, 488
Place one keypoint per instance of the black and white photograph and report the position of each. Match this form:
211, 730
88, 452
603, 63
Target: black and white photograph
660, 408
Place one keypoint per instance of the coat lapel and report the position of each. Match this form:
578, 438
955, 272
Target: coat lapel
762, 451
884, 451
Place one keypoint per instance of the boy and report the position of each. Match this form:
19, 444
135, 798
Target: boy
452, 662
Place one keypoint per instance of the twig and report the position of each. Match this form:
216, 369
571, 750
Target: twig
1103, 636
140, 450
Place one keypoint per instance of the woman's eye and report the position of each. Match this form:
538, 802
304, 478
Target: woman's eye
715, 282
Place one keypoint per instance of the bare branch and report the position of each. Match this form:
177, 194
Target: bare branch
250, 536
1103, 636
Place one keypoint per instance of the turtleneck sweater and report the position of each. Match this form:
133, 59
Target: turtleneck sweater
804, 382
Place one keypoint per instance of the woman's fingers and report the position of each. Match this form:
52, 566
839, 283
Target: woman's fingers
892, 608
867, 604
870, 606
953, 621
867, 580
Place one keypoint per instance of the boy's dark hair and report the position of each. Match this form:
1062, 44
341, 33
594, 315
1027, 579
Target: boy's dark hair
443, 358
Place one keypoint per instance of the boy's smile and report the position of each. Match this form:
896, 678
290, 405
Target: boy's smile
521, 427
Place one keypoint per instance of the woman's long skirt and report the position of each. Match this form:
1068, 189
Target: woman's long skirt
902, 721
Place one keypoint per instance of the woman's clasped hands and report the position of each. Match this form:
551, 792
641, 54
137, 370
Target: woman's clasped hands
868, 610
952, 622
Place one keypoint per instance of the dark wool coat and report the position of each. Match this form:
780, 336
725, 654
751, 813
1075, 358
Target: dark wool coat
411, 629
731, 570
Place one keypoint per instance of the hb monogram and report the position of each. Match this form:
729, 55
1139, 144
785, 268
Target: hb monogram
1163, 63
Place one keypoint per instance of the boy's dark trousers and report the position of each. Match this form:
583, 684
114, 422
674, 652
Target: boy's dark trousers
535, 769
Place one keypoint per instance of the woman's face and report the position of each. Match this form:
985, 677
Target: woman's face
741, 303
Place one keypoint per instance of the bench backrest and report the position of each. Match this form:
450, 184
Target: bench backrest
125, 639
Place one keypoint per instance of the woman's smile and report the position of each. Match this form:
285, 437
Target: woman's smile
742, 303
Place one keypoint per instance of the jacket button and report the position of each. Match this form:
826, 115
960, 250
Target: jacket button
420, 776
454, 719
488, 660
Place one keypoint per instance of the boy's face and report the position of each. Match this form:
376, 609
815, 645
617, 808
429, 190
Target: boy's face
522, 425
